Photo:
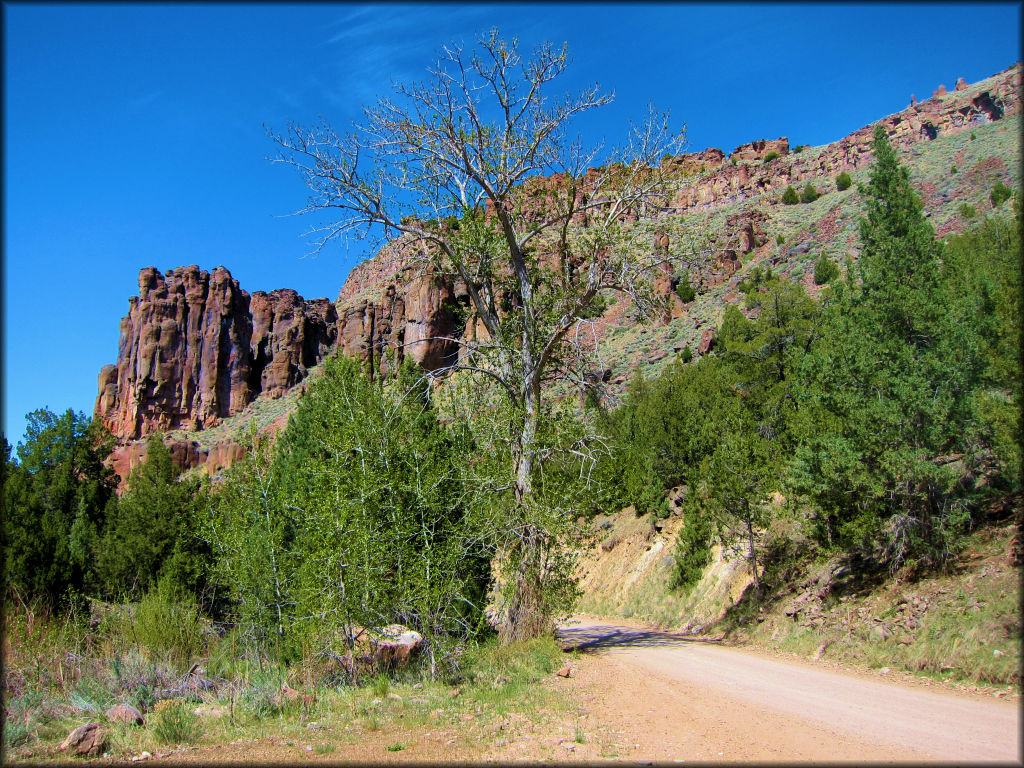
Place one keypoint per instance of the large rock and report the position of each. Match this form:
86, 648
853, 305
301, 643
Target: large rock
85, 740
125, 713
394, 646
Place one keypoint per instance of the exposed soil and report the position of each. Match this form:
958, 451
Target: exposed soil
641, 694
678, 698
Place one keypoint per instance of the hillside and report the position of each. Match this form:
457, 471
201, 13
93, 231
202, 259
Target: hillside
200, 358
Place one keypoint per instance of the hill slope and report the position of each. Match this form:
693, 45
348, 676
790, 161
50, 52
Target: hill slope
207, 373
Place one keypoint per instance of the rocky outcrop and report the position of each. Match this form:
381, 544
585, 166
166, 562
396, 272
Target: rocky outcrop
747, 175
195, 348
289, 336
389, 308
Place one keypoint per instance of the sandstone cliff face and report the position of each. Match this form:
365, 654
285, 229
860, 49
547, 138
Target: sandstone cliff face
195, 348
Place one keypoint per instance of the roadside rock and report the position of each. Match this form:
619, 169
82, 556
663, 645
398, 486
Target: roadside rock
125, 713
394, 646
85, 740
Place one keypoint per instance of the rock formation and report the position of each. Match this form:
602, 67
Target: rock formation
195, 348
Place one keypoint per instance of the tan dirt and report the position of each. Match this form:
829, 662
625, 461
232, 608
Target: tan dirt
645, 695
676, 698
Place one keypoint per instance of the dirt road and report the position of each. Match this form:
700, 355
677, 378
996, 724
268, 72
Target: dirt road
663, 697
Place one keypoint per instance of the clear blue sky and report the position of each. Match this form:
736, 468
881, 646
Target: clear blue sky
133, 134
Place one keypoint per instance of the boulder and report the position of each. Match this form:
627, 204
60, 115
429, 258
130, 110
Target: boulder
394, 646
125, 713
85, 740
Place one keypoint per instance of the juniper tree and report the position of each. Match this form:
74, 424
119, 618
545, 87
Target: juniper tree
887, 389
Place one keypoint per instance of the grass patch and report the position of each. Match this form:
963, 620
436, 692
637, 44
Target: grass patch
175, 724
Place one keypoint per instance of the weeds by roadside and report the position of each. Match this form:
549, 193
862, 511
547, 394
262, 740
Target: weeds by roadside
64, 672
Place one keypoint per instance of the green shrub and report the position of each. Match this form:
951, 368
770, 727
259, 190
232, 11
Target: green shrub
687, 354
780, 239
176, 725
684, 290
973, 137
166, 622
810, 194
968, 211
693, 550
1000, 194
825, 270
799, 148
790, 196
952, 169
843, 181
770, 156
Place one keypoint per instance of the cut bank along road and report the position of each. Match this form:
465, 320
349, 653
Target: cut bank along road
669, 697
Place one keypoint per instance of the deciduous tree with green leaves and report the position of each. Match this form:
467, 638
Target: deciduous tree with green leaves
544, 228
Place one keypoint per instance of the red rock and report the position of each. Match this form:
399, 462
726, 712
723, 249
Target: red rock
707, 341
394, 646
187, 358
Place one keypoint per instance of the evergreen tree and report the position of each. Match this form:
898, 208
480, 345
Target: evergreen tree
887, 390
152, 530
55, 495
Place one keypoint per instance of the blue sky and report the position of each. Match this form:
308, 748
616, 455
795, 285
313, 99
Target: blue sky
134, 133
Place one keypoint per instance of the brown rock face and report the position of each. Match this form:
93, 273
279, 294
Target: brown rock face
289, 336
387, 310
189, 353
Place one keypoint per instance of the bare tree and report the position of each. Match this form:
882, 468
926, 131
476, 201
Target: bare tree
475, 166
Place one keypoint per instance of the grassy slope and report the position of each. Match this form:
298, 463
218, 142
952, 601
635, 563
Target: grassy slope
828, 226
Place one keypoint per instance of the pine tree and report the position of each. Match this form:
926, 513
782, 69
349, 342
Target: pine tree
55, 496
151, 533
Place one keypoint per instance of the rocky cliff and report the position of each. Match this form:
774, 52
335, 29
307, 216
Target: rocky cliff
196, 348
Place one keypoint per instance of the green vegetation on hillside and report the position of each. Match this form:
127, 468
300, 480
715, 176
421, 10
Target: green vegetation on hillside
873, 418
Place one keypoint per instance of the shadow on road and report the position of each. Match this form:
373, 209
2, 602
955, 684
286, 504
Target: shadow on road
593, 638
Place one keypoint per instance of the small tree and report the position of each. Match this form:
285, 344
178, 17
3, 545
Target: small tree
487, 141
1000, 194
843, 181
810, 194
825, 270
790, 196
684, 290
